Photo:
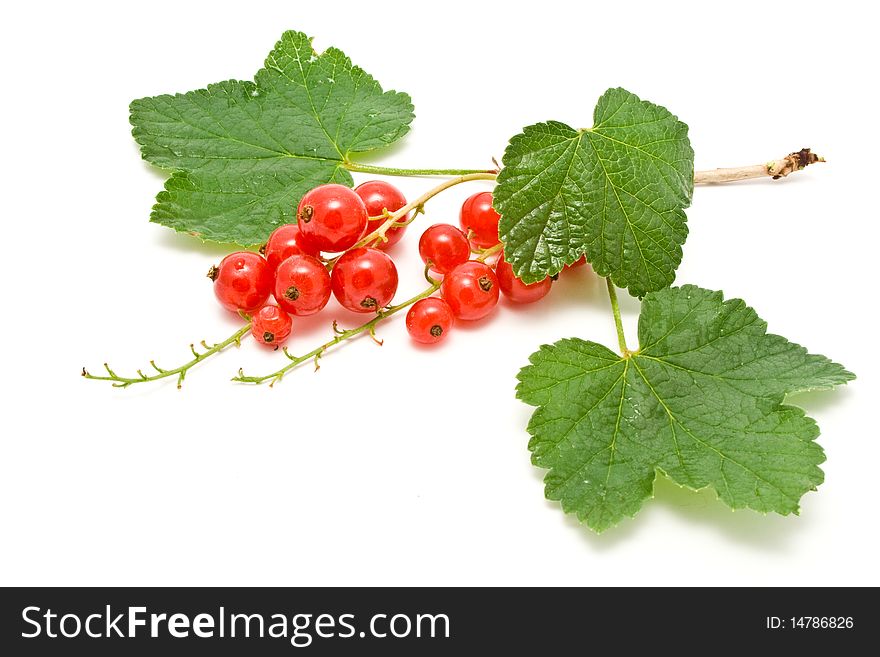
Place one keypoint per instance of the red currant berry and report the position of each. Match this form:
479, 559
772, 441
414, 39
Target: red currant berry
302, 285
471, 290
377, 196
332, 217
285, 241
429, 320
517, 291
364, 280
445, 247
479, 219
242, 281
271, 325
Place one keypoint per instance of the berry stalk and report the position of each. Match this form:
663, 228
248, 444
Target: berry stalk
396, 218
179, 372
341, 336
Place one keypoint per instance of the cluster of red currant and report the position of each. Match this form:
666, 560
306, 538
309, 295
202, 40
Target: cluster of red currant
330, 219
293, 266
336, 247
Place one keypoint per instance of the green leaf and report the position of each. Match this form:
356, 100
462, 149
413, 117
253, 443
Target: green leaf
615, 192
701, 402
244, 153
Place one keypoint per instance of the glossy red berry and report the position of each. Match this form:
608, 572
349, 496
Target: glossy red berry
242, 281
285, 241
445, 247
271, 325
364, 280
514, 289
332, 217
302, 285
479, 219
471, 290
429, 320
377, 196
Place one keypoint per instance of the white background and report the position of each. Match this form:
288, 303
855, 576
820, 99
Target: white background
405, 465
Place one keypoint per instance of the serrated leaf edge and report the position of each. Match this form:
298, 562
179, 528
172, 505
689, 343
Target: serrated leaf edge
778, 402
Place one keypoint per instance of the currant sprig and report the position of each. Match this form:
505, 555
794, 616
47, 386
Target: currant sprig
360, 223
289, 266
706, 383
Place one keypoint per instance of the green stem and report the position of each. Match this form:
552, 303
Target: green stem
179, 372
395, 171
484, 254
398, 216
341, 336
618, 323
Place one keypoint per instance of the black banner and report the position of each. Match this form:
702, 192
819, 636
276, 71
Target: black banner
422, 621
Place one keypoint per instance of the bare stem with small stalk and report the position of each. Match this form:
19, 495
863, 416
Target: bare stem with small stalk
777, 168
774, 169
180, 371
